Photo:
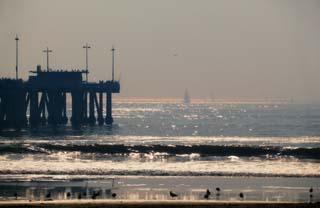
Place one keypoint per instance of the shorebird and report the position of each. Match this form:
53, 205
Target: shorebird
241, 195
173, 195
114, 195
208, 192
95, 194
218, 191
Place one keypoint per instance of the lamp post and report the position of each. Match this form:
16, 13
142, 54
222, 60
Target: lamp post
113, 63
17, 41
87, 68
47, 51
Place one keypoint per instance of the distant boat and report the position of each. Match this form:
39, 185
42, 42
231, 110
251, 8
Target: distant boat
186, 97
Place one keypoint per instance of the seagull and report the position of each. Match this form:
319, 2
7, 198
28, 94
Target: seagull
241, 195
208, 192
95, 194
311, 190
173, 194
218, 191
114, 195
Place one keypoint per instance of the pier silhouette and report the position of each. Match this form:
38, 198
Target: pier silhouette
44, 98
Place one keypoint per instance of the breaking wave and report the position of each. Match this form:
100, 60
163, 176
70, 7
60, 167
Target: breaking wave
151, 173
170, 150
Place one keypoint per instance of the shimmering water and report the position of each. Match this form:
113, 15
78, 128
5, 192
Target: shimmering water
176, 139
172, 139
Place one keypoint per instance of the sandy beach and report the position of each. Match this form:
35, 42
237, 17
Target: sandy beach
156, 189
154, 204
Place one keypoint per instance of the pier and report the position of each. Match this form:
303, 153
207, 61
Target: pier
43, 98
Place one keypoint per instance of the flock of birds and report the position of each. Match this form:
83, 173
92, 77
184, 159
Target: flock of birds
173, 195
94, 195
241, 195
207, 194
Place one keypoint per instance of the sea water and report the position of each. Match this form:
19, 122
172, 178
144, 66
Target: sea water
169, 140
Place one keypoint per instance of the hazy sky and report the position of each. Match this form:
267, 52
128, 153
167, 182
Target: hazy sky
244, 49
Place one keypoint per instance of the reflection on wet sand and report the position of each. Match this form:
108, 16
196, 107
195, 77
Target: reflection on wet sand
231, 189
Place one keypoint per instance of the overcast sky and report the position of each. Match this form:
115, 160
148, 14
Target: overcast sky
235, 49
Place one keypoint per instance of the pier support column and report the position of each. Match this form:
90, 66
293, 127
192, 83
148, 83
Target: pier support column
92, 118
34, 119
109, 119
1, 112
85, 119
76, 108
20, 109
100, 110
64, 108
43, 103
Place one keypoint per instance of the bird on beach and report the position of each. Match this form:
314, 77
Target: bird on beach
218, 191
241, 195
114, 195
208, 192
173, 195
95, 194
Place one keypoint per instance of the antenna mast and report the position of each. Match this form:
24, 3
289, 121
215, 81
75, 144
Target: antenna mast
47, 51
17, 40
87, 68
113, 63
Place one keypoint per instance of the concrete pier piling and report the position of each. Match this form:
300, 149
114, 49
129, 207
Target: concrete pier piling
44, 97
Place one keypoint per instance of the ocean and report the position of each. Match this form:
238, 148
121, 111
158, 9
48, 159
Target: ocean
184, 147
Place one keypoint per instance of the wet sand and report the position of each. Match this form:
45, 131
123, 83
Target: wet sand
136, 191
154, 204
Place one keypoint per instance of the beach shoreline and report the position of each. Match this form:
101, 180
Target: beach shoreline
147, 203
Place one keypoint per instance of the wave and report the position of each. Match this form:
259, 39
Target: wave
171, 150
150, 173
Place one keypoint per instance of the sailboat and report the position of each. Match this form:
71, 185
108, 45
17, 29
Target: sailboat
186, 97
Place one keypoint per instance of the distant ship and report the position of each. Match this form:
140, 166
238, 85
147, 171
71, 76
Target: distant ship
186, 96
